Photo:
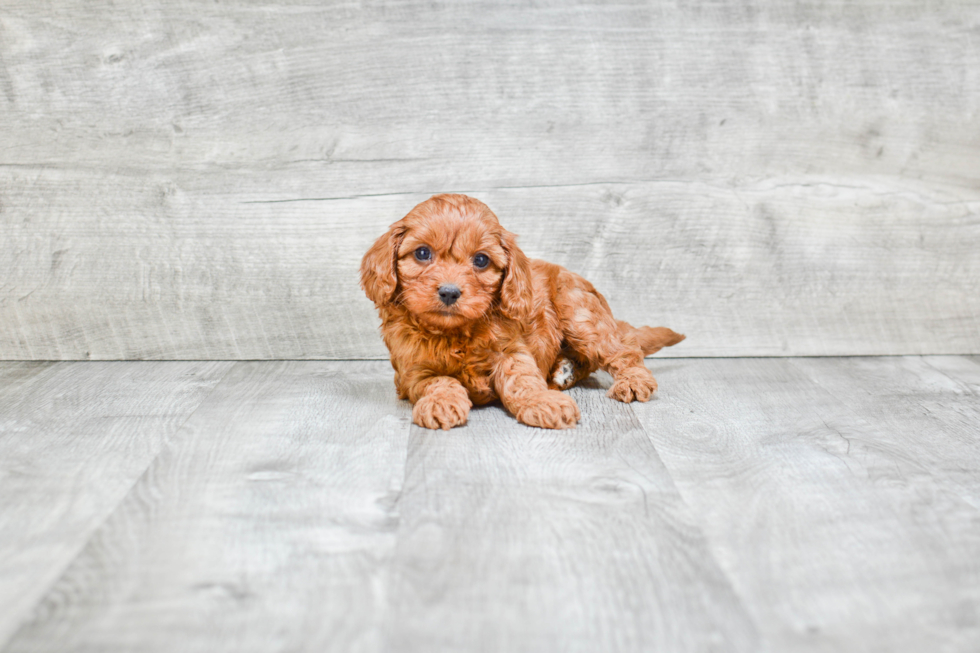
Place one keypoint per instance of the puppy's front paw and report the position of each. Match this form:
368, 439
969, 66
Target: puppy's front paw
442, 410
633, 383
550, 410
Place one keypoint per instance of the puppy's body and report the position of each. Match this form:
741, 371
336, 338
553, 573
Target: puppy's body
468, 319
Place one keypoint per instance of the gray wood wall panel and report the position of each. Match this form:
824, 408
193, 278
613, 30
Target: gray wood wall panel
769, 178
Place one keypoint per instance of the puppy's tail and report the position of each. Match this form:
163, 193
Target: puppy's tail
649, 339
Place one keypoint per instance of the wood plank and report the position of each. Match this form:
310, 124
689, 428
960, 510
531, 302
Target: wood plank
929, 405
965, 370
829, 503
835, 530
770, 179
73, 440
765, 268
475, 93
17, 378
520, 539
267, 523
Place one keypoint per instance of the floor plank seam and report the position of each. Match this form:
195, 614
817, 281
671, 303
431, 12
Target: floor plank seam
708, 545
388, 571
967, 389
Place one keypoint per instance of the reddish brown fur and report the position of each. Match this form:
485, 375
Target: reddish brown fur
512, 325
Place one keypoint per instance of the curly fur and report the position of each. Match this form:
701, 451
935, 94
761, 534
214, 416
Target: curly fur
520, 329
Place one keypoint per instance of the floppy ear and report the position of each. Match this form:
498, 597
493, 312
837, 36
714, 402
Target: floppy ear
516, 295
379, 276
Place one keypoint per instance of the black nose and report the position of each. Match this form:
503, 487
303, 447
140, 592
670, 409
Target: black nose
449, 293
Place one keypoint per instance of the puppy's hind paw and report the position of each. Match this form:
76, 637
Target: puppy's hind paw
563, 376
550, 410
634, 383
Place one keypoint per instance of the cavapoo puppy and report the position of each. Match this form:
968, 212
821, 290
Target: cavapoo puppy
468, 319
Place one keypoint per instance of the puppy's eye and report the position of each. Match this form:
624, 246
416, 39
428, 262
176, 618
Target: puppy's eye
481, 261
423, 254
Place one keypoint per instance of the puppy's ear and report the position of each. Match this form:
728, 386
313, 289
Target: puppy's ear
516, 294
379, 275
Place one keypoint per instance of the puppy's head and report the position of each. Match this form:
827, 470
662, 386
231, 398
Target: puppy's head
448, 262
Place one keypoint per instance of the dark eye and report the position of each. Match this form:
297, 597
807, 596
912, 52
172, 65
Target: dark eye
481, 261
423, 254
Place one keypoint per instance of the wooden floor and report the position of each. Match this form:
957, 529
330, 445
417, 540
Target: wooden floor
794, 504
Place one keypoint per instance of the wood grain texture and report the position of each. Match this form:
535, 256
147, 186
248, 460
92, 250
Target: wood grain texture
520, 539
194, 181
73, 440
929, 408
764, 504
839, 495
266, 524
278, 519
764, 269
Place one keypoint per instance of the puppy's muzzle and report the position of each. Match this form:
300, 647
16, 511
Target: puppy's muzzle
449, 293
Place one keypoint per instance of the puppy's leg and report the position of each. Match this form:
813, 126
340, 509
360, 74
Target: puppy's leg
568, 369
592, 331
525, 393
440, 402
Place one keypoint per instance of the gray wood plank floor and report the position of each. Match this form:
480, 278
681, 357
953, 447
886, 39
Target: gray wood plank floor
819, 504
73, 440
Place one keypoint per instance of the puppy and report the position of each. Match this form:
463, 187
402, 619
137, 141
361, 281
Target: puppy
469, 319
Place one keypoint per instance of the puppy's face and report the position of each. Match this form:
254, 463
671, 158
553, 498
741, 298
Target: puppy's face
448, 262
450, 266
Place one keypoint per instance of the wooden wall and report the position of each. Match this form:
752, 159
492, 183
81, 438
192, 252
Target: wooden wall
191, 180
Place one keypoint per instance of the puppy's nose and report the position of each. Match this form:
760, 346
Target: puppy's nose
449, 293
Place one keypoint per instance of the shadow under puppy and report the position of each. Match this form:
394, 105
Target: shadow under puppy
468, 319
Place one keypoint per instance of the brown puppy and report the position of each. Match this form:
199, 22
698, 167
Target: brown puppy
469, 319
